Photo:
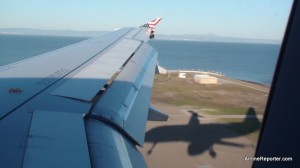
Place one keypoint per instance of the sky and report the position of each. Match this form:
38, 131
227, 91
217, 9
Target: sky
258, 19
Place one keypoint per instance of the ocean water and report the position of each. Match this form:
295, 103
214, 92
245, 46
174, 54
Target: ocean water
252, 62
18, 47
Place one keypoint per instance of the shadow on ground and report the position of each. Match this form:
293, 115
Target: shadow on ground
202, 137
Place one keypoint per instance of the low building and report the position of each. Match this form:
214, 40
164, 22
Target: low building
182, 75
205, 79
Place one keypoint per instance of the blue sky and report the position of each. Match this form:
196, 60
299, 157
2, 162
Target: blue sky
263, 19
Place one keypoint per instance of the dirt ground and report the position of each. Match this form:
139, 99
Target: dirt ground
209, 125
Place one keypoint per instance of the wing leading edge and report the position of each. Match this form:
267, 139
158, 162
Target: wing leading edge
83, 105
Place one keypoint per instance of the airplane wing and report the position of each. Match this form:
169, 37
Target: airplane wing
84, 105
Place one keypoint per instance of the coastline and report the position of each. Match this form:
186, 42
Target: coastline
222, 79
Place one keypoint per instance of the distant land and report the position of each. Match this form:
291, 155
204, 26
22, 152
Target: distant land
215, 38
187, 37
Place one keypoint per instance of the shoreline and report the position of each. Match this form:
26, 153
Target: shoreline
222, 79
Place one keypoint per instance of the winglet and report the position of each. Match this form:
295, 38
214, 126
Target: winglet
150, 26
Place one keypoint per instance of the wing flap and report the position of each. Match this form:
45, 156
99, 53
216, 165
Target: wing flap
156, 115
56, 139
126, 101
98, 72
110, 148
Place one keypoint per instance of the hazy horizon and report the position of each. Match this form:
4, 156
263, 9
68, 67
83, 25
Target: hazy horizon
189, 37
257, 19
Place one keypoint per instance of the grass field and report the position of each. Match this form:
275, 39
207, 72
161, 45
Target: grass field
214, 99
223, 98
